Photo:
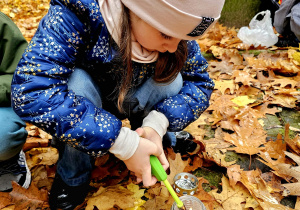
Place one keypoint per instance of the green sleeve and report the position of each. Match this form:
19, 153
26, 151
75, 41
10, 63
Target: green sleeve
12, 46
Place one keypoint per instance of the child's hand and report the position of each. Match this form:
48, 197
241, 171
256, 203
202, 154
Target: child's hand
150, 134
139, 163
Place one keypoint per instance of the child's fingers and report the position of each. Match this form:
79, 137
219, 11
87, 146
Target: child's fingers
139, 179
140, 132
147, 177
157, 151
164, 162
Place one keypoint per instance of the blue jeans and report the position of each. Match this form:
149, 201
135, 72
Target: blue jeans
75, 166
12, 133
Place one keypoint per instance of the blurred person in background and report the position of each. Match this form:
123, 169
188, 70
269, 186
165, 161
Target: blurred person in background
287, 23
13, 166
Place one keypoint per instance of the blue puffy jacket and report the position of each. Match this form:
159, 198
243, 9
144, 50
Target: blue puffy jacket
73, 33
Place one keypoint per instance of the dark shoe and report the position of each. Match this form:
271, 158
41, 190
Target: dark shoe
63, 196
289, 40
14, 169
184, 143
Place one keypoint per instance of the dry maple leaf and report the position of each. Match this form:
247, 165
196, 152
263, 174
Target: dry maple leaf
243, 100
215, 150
41, 156
263, 109
158, 203
193, 164
224, 107
281, 99
230, 55
177, 165
260, 190
216, 68
107, 198
159, 198
294, 143
275, 149
5, 200
249, 134
42, 176
31, 198
292, 171
282, 83
205, 197
194, 128
99, 173
234, 174
231, 198
273, 157
242, 77
223, 85
273, 182
33, 142
250, 91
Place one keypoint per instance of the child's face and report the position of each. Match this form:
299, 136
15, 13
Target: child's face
150, 38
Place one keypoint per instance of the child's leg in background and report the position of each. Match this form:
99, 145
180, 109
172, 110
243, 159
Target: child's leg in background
12, 133
75, 166
149, 94
13, 166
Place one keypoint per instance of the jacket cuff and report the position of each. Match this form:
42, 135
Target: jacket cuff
158, 121
126, 144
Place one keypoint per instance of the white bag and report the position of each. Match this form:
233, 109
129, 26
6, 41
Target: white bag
259, 32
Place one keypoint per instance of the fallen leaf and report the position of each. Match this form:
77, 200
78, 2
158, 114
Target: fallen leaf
249, 134
231, 198
207, 199
176, 166
31, 198
215, 150
107, 198
5, 200
234, 174
224, 85
243, 100
41, 156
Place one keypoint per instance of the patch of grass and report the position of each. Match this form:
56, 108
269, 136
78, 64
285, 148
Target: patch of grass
212, 176
238, 13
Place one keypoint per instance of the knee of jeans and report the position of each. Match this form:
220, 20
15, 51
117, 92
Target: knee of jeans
78, 81
174, 87
12, 133
83, 85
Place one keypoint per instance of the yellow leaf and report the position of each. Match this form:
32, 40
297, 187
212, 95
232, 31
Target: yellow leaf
243, 100
296, 57
12, 15
224, 85
138, 193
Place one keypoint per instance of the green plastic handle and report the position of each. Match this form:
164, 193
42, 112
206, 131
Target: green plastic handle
158, 171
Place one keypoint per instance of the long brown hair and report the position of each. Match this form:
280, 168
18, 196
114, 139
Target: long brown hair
167, 67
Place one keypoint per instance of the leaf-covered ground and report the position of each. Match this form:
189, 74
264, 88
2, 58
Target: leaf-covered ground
249, 143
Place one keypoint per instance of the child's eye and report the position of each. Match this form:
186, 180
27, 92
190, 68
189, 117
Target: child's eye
165, 36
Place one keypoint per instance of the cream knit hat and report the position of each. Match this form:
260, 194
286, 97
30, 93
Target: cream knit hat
183, 19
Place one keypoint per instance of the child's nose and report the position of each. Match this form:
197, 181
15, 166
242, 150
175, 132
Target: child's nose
171, 45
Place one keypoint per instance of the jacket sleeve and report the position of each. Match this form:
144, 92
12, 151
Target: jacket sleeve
40, 92
12, 46
193, 99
